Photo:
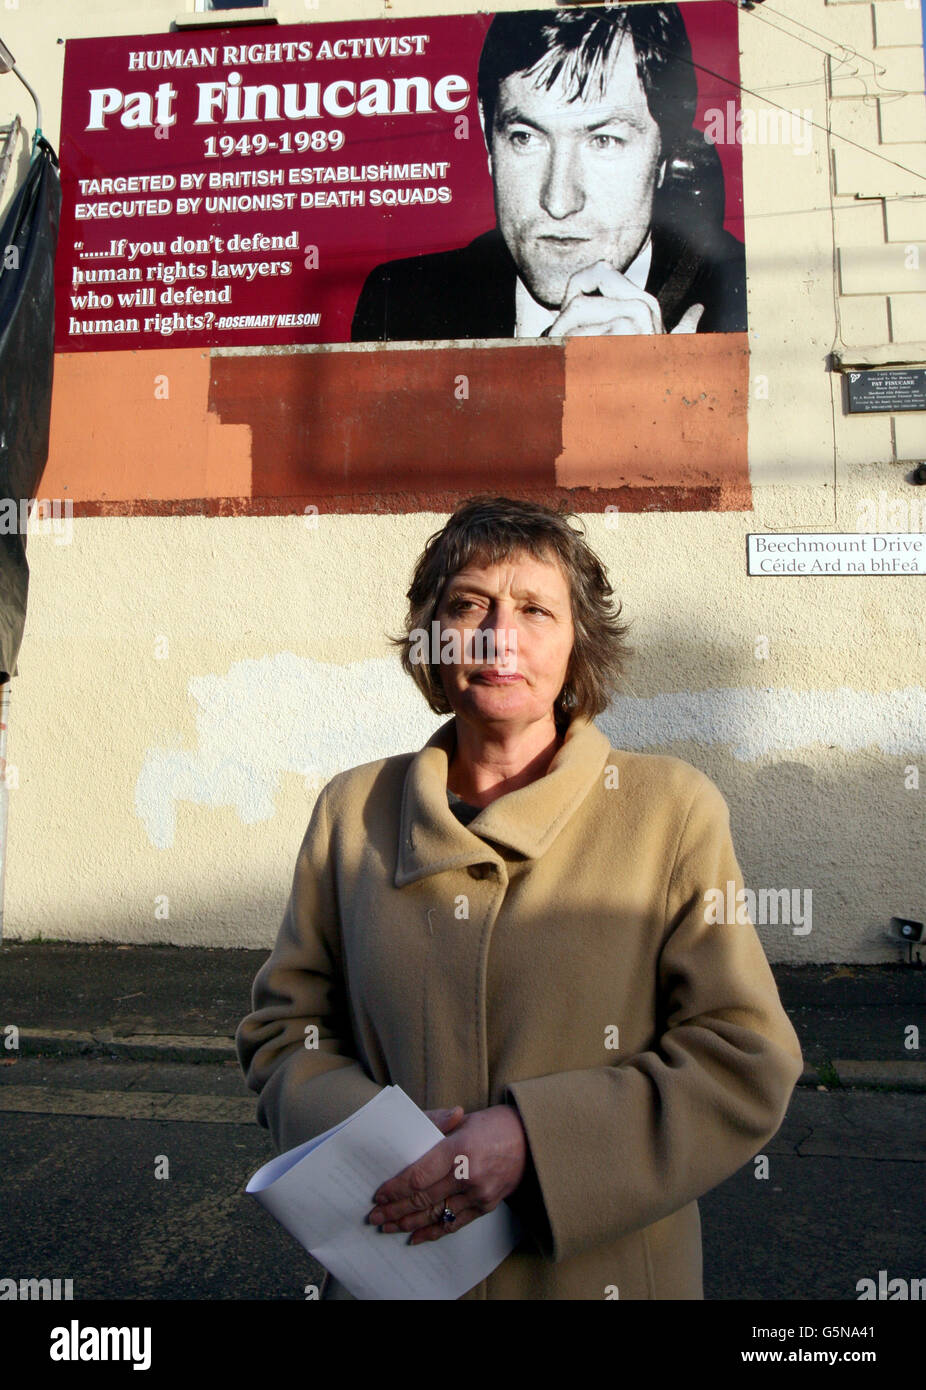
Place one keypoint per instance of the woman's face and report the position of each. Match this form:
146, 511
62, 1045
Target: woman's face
520, 611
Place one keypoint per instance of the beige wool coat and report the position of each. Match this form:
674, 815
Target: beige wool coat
553, 955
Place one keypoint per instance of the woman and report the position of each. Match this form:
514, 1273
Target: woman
510, 925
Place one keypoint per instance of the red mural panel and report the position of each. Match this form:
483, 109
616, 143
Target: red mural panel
238, 186
547, 203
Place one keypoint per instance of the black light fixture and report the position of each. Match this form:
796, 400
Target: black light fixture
911, 933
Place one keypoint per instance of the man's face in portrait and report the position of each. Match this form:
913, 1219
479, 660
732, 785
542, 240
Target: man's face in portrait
574, 180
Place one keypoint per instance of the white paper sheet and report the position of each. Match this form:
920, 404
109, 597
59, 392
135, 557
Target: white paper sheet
322, 1191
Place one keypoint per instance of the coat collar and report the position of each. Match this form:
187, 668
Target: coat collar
526, 820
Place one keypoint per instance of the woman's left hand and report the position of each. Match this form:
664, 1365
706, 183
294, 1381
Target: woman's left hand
494, 1144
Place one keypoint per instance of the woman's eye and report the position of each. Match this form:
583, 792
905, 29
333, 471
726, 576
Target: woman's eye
460, 605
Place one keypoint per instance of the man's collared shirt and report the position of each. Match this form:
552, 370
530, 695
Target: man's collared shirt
533, 318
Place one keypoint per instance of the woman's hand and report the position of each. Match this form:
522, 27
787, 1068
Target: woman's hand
494, 1144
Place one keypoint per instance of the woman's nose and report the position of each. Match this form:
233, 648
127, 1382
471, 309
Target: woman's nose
506, 643
497, 640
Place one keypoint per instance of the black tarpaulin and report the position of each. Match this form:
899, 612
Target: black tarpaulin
28, 239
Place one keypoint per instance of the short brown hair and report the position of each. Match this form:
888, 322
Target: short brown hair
486, 530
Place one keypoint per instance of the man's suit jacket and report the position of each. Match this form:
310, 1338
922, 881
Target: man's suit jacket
470, 292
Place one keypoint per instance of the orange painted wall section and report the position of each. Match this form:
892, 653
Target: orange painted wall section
644, 412
641, 423
134, 427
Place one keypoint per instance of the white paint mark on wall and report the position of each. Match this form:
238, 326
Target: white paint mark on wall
286, 713
279, 714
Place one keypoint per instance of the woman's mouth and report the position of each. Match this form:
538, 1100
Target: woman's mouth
497, 678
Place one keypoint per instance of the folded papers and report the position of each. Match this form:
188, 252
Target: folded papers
322, 1192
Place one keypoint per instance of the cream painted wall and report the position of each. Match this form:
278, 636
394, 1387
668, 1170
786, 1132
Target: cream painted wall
139, 777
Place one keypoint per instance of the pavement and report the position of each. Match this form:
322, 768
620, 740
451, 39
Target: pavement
128, 1134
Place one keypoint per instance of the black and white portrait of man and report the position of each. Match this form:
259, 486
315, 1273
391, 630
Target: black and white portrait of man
609, 203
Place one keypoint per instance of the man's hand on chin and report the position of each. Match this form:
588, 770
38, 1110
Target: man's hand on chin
600, 300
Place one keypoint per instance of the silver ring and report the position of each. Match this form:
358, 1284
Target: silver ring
447, 1216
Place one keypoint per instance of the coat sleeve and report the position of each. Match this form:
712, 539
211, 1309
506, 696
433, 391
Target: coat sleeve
304, 1090
615, 1148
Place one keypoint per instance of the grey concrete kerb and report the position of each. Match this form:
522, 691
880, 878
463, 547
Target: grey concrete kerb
133, 1047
